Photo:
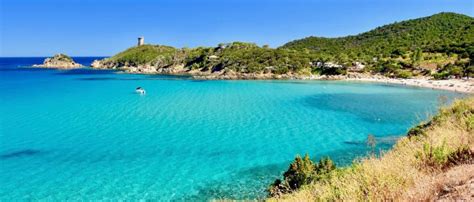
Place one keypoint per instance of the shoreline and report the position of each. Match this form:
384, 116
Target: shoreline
455, 85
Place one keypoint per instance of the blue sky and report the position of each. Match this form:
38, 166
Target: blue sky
105, 27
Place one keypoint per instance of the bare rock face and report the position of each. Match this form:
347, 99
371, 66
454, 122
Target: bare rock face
96, 64
60, 61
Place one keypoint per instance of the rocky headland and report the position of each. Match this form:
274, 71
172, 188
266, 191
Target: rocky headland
59, 61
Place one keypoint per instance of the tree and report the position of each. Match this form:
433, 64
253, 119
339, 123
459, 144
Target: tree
325, 166
469, 71
302, 171
417, 57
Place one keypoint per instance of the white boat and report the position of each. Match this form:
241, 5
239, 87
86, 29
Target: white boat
140, 90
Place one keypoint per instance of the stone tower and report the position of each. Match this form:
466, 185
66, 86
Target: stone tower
141, 41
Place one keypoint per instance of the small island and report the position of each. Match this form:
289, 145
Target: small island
60, 61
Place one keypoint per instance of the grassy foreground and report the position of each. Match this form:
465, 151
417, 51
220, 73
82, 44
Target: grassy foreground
435, 155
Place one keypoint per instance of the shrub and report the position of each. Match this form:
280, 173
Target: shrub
439, 157
418, 130
325, 166
302, 171
433, 156
441, 75
403, 74
462, 155
332, 70
281, 70
63, 57
469, 71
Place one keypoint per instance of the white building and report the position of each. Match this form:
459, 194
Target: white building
141, 41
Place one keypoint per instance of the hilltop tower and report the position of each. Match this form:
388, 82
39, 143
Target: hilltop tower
141, 41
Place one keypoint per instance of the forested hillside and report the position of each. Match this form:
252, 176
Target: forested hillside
440, 46
441, 43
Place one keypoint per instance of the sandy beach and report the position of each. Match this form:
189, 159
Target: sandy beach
456, 85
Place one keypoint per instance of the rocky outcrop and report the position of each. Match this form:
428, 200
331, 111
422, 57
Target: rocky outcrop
60, 61
105, 64
176, 68
156, 68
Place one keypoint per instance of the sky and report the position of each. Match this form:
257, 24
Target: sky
106, 27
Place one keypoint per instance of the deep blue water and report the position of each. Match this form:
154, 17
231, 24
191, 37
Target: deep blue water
85, 134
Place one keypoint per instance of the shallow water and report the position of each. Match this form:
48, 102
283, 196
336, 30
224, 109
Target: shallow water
86, 134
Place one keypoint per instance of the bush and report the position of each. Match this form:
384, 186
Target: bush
63, 57
332, 70
302, 171
325, 166
441, 75
462, 155
469, 71
281, 70
403, 74
418, 130
439, 157
433, 156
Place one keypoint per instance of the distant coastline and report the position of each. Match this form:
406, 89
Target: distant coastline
456, 85
432, 52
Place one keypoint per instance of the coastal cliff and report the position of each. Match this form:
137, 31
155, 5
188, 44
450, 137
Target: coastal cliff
60, 61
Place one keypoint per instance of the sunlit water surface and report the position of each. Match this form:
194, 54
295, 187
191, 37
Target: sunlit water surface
85, 133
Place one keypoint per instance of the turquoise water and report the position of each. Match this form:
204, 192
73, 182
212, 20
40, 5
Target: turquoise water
86, 134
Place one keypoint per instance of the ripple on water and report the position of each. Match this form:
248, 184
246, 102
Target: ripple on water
65, 137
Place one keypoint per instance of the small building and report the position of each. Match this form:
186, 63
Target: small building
141, 41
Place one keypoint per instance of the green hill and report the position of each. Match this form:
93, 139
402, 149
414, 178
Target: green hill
443, 32
440, 45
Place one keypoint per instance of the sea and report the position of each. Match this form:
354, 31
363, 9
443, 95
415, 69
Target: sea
85, 134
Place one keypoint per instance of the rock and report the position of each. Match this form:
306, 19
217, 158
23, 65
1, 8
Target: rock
96, 64
357, 67
60, 61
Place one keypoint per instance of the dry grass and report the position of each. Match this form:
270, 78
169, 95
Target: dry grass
408, 170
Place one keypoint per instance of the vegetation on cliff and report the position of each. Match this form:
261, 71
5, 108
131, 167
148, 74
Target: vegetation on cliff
418, 46
248, 58
62, 57
141, 55
441, 46
238, 57
418, 167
